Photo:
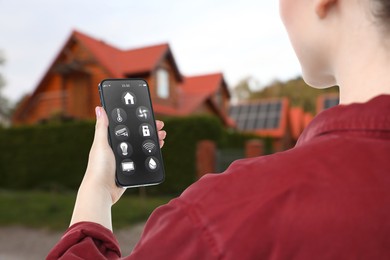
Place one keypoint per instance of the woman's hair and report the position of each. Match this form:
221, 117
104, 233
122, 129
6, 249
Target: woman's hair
382, 11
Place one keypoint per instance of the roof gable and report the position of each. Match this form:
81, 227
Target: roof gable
206, 84
193, 92
198, 89
105, 54
123, 63
143, 59
202, 84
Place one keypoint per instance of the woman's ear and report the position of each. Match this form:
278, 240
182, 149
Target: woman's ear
322, 7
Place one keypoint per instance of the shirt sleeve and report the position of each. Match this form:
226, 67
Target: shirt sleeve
173, 231
86, 240
176, 231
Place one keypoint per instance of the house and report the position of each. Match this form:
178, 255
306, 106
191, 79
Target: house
299, 120
69, 87
296, 122
326, 101
266, 118
272, 118
4, 120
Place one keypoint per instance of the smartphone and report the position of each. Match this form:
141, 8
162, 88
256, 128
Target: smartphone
132, 132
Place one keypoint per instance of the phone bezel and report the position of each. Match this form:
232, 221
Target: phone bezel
102, 100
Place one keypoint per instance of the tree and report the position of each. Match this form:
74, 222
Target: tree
245, 89
2, 61
297, 91
4, 103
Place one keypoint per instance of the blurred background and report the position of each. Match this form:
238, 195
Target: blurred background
222, 76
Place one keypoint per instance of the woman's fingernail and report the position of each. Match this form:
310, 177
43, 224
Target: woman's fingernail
98, 112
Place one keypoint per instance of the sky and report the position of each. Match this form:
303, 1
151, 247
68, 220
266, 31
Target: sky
238, 38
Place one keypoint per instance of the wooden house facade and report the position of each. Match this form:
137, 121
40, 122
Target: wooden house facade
69, 87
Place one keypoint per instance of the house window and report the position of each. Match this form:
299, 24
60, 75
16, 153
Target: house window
162, 83
219, 99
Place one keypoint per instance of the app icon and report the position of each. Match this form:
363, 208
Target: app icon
143, 113
125, 149
128, 166
119, 115
152, 164
149, 147
128, 98
122, 132
145, 130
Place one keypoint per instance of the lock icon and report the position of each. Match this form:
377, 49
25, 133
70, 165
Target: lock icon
145, 130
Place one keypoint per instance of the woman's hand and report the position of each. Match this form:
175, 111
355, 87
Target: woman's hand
98, 190
101, 163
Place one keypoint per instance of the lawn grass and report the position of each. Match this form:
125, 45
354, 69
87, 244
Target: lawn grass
52, 210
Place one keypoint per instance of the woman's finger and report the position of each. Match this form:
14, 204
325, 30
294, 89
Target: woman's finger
161, 135
159, 125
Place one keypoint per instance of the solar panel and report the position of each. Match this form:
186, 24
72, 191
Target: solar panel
234, 111
241, 124
251, 119
263, 115
273, 119
272, 122
260, 124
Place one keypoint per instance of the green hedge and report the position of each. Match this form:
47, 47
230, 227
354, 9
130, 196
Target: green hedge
55, 156
233, 139
179, 150
47, 156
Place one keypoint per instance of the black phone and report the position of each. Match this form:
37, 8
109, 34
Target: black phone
132, 132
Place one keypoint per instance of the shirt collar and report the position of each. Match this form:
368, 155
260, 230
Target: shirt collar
373, 115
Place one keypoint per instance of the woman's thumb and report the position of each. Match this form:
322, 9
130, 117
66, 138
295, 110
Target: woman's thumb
101, 127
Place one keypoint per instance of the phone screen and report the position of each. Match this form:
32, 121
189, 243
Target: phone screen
132, 132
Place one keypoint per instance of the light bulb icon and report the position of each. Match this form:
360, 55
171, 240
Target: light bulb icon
124, 148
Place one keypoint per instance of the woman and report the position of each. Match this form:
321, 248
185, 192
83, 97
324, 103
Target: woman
328, 198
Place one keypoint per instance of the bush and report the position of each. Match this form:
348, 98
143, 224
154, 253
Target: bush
47, 156
54, 156
179, 151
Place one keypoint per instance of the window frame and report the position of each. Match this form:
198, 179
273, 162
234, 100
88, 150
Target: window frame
162, 86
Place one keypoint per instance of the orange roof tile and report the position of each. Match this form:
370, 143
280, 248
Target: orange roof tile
296, 121
121, 63
192, 93
307, 119
202, 84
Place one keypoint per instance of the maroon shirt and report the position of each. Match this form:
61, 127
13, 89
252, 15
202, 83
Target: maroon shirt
328, 198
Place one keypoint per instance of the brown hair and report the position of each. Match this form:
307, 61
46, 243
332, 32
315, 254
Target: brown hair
382, 11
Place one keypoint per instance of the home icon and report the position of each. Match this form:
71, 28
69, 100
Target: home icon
129, 98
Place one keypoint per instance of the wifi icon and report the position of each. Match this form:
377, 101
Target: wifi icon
149, 147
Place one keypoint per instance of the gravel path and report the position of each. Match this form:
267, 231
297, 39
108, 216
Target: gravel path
19, 243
